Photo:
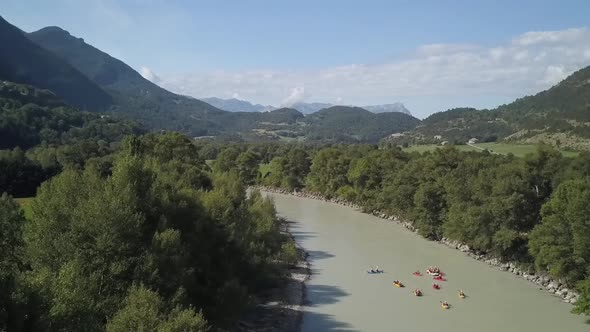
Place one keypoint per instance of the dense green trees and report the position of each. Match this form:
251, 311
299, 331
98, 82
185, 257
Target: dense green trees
288, 171
11, 263
39, 136
501, 205
155, 242
561, 243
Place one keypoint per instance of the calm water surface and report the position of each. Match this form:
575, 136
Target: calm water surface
343, 243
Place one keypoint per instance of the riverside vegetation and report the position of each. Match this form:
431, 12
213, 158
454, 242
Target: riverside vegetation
531, 211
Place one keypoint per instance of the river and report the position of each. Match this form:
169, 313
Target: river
342, 243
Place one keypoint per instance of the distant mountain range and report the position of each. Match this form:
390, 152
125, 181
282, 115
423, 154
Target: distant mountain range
85, 77
237, 105
90, 79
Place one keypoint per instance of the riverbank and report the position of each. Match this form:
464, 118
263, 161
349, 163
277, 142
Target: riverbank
544, 282
282, 308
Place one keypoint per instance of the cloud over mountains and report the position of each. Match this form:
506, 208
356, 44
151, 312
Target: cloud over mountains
527, 64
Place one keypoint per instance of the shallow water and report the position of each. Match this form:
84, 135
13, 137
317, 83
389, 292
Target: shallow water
343, 243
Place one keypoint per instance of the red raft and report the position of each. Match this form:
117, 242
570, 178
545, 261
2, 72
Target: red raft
439, 278
436, 286
417, 274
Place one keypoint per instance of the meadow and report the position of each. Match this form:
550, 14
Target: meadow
519, 150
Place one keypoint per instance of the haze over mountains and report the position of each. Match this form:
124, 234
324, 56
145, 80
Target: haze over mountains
237, 105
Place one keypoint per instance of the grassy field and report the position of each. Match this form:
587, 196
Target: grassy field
519, 150
264, 169
25, 204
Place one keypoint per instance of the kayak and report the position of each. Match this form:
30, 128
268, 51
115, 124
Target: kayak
439, 278
461, 296
398, 284
375, 272
417, 293
445, 306
417, 274
436, 286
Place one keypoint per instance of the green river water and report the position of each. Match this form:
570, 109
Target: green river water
342, 243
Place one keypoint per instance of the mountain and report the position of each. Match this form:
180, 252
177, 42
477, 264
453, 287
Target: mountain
559, 116
308, 108
395, 107
237, 105
355, 124
31, 116
22, 61
133, 95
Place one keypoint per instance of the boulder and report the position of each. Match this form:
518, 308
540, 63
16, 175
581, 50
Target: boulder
563, 292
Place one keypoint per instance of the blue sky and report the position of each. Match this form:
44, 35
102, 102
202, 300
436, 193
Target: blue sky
283, 51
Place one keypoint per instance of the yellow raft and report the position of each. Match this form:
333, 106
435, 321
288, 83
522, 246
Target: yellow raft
444, 306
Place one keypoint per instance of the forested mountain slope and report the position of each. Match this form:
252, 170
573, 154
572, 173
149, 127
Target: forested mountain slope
354, 124
23, 61
134, 96
559, 115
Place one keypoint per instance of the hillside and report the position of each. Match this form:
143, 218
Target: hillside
29, 116
308, 108
23, 61
134, 96
559, 116
128, 94
354, 124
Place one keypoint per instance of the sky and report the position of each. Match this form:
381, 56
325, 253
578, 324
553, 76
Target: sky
429, 55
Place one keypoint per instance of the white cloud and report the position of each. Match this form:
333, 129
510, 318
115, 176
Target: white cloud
549, 37
296, 95
553, 75
433, 78
149, 75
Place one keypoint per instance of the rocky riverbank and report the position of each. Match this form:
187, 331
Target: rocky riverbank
544, 282
281, 309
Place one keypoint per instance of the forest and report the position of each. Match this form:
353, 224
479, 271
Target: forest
157, 232
127, 231
530, 210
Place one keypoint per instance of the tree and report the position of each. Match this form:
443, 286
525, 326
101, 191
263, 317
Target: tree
583, 304
329, 169
430, 209
561, 243
247, 165
11, 260
142, 311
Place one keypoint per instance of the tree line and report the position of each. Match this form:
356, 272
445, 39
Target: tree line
531, 210
154, 241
